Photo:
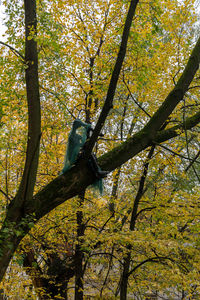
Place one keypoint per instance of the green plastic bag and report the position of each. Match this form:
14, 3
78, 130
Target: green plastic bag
76, 140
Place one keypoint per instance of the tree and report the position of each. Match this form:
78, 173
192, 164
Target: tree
26, 209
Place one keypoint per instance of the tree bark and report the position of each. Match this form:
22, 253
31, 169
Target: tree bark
25, 209
26, 188
127, 258
79, 254
15, 226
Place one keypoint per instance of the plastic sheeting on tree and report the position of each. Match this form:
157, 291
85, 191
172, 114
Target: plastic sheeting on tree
76, 140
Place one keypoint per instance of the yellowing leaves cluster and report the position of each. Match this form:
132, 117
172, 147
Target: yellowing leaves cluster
77, 44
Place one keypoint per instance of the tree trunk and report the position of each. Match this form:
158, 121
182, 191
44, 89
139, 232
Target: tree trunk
79, 273
127, 259
79, 255
12, 231
16, 224
77, 179
124, 277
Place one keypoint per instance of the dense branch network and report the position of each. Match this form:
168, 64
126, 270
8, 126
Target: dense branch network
79, 177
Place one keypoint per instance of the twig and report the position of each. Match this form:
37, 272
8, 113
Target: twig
16, 52
7, 197
192, 161
178, 154
153, 259
136, 102
57, 97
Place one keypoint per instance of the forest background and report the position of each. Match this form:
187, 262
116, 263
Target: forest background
131, 69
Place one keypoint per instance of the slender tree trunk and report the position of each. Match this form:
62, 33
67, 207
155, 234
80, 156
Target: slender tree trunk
124, 277
79, 255
127, 258
16, 224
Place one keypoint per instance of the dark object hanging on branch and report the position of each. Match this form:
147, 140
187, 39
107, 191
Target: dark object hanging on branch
75, 150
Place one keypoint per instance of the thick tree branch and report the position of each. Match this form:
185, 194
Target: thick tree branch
77, 179
140, 141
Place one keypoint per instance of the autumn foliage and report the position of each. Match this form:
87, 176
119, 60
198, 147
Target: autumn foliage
130, 68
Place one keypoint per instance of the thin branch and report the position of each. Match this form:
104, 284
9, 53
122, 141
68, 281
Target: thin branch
108, 104
153, 259
194, 87
194, 160
190, 105
57, 97
140, 191
104, 225
100, 253
178, 154
6, 195
16, 52
145, 209
81, 39
177, 130
136, 102
105, 253
108, 271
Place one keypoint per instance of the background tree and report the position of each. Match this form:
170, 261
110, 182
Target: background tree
141, 231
